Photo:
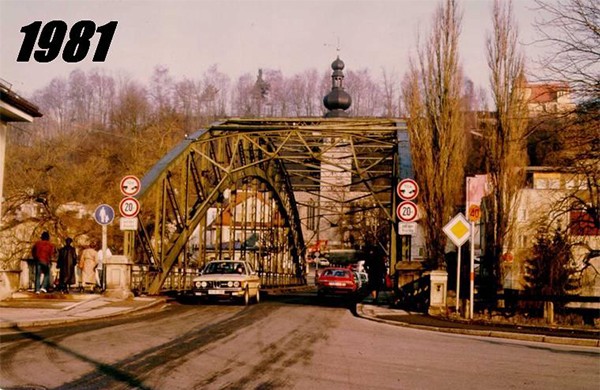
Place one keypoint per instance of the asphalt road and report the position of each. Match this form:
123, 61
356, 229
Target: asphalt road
293, 342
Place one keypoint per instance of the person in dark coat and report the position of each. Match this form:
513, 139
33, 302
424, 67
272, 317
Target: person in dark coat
67, 259
375, 266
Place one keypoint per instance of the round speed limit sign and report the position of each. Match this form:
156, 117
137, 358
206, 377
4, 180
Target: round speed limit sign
129, 207
407, 211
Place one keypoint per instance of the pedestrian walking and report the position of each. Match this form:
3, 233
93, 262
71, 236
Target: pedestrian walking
42, 252
67, 259
375, 266
87, 264
100, 268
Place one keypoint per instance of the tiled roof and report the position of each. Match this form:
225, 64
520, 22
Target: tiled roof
547, 92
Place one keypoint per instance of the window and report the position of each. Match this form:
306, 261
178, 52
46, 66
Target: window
522, 215
541, 184
554, 184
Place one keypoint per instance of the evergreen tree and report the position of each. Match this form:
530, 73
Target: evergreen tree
550, 269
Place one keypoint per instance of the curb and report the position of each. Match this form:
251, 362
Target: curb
69, 320
485, 333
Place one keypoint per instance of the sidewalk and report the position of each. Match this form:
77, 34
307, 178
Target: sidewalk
547, 334
26, 309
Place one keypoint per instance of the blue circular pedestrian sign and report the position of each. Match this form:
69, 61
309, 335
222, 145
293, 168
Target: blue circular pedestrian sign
104, 214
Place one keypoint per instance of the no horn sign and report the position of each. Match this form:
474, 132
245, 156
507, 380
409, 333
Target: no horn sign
130, 185
407, 189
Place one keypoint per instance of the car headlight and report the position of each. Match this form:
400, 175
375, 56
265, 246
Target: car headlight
236, 284
197, 284
204, 284
229, 284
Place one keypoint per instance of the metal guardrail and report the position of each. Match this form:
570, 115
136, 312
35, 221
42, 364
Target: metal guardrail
181, 279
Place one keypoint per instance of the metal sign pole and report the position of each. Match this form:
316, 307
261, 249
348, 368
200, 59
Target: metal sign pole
104, 246
458, 279
472, 275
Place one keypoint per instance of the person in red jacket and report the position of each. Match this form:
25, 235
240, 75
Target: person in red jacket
42, 252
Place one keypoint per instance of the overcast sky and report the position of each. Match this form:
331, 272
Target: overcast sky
242, 36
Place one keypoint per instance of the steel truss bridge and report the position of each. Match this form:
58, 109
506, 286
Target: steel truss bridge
269, 191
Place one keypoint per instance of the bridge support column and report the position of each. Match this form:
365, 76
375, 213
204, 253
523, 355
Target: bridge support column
118, 278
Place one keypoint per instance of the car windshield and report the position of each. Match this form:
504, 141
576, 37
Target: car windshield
224, 267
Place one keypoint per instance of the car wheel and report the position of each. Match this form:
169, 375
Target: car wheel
246, 299
257, 296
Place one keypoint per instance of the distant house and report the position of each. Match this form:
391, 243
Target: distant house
242, 226
75, 209
537, 204
548, 98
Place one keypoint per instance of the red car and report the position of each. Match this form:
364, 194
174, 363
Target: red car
336, 281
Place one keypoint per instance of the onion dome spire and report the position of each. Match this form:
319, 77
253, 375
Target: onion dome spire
337, 100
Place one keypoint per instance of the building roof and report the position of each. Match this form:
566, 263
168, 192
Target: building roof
546, 92
14, 108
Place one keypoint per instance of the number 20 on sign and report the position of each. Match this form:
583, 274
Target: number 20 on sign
129, 207
407, 211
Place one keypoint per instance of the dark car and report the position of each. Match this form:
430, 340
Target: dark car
336, 281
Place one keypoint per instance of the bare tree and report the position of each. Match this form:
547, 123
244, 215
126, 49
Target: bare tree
52, 102
432, 96
390, 93
185, 99
312, 97
80, 97
297, 92
219, 90
132, 109
241, 96
278, 95
571, 30
160, 92
102, 87
504, 135
365, 92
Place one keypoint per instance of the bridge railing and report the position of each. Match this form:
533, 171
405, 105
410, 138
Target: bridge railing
180, 279
276, 279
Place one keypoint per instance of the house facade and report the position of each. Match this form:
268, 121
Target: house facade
545, 202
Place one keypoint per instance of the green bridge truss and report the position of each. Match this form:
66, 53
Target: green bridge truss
265, 189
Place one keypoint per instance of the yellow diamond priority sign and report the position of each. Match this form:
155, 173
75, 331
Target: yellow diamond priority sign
458, 229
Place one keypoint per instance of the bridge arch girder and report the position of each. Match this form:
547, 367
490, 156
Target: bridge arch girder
185, 185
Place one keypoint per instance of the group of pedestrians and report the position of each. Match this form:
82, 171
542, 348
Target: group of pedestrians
85, 269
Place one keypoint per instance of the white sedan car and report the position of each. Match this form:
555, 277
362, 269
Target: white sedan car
228, 279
